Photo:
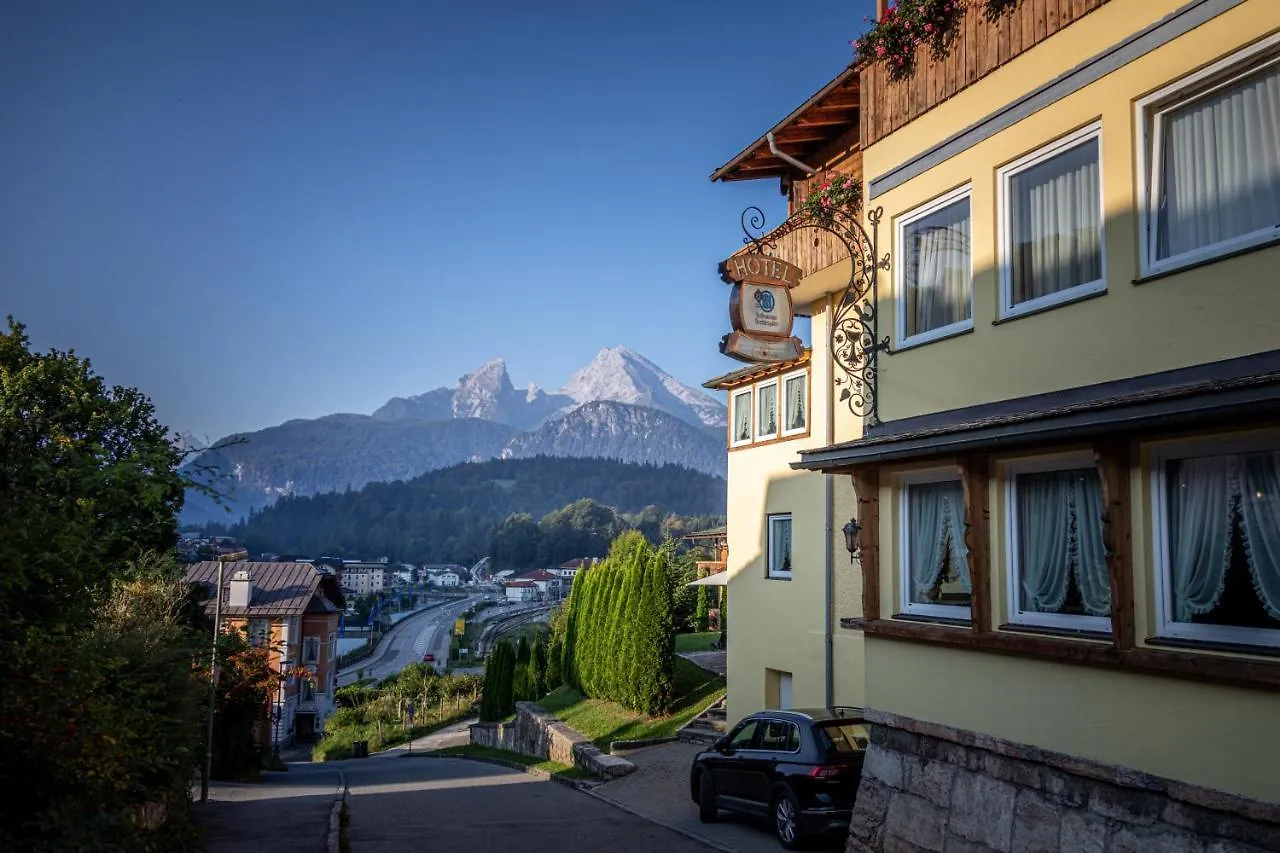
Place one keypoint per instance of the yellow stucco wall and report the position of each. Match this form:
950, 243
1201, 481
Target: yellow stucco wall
1218, 737
1214, 312
779, 624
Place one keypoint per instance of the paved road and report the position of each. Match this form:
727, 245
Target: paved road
414, 804
409, 640
446, 805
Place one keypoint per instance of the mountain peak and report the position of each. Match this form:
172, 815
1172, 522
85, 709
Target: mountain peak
623, 375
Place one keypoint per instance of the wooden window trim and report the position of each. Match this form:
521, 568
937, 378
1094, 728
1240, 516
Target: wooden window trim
1216, 669
866, 484
976, 478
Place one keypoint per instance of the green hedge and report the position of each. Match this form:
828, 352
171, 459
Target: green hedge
618, 640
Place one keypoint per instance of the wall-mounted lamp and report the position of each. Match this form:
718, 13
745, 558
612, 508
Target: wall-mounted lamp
851, 529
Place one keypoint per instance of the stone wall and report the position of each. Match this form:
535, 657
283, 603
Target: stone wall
935, 788
542, 735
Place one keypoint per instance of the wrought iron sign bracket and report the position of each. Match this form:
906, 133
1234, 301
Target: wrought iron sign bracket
855, 332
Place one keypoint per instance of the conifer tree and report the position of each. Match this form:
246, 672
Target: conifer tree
700, 614
538, 668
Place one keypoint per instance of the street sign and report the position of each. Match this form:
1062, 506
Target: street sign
459, 627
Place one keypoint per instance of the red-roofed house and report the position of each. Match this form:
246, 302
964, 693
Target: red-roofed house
521, 591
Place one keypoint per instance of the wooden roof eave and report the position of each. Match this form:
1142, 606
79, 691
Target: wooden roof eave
841, 94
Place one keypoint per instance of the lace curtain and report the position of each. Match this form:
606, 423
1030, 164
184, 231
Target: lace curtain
795, 403
780, 545
1056, 224
1202, 494
935, 517
1060, 532
938, 270
742, 417
1220, 176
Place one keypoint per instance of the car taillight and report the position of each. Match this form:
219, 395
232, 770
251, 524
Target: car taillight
829, 771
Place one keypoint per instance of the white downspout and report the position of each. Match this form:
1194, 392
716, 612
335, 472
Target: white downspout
787, 158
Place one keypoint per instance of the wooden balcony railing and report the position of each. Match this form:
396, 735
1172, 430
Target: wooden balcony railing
980, 47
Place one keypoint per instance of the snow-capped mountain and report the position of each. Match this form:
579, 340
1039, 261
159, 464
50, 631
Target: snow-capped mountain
624, 376
617, 374
620, 406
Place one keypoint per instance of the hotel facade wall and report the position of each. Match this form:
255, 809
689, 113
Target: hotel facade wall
1198, 315
779, 625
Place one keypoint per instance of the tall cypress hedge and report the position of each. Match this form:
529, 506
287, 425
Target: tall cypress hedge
618, 641
497, 701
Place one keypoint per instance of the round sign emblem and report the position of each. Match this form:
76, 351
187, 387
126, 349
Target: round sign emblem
765, 299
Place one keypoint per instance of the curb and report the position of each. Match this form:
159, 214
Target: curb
335, 818
579, 784
639, 744
687, 833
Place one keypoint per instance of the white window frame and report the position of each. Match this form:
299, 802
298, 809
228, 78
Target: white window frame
768, 551
964, 193
1148, 119
906, 605
1161, 455
803, 376
777, 415
1004, 178
311, 642
1016, 615
749, 393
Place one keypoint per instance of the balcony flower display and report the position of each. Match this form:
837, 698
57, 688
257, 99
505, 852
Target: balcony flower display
835, 192
910, 23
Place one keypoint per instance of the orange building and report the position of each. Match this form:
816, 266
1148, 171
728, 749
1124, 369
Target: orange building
292, 610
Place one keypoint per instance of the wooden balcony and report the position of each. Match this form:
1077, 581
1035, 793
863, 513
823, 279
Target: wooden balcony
980, 47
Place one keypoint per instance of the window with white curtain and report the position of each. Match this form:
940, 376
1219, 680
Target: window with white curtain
311, 650
741, 418
767, 410
1218, 542
779, 546
1057, 561
1051, 224
1211, 154
935, 563
935, 273
795, 398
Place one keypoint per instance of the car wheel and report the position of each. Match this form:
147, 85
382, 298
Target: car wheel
786, 820
708, 811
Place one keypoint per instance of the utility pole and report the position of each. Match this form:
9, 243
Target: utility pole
213, 670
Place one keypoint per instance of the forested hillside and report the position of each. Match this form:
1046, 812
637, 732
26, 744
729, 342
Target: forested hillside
451, 515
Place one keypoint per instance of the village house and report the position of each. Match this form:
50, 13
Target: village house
1041, 421
364, 578
519, 591
292, 610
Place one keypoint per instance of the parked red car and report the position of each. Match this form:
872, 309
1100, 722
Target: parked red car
428, 657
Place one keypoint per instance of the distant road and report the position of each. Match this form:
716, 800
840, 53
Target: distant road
411, 638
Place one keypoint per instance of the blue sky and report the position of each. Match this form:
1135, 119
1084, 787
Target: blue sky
261, 211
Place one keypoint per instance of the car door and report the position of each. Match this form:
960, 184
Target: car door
729, 766
776, 746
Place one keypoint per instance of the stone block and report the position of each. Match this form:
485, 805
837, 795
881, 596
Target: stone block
937, 749
1037, 824
1125, 804
883, 765
956, 844
916, 820
894, 844
1160, 839
898, 740
929, 779
982, 810
1083, 832
869, 812
1222, 846
1013, 770
1064, 788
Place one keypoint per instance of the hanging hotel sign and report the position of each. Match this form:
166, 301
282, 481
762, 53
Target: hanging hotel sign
760, 309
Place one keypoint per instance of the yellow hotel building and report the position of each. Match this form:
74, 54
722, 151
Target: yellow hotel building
1044, 385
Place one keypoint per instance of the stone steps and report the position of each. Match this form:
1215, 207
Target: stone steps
707, 727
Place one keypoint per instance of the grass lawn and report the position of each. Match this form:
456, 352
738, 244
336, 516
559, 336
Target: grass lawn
696, 642
555, 768
604, 721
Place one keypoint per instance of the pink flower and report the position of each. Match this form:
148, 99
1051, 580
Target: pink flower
928, 28
879, 50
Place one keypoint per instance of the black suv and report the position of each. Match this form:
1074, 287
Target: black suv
798, 768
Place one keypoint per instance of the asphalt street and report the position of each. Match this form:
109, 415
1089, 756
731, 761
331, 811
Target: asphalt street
445, 805
412, 804
409, 640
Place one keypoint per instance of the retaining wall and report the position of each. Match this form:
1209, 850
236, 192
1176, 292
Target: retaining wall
542, 735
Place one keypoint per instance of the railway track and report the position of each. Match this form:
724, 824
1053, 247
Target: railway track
496, 628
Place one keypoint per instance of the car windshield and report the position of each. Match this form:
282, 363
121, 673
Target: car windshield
842, 738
